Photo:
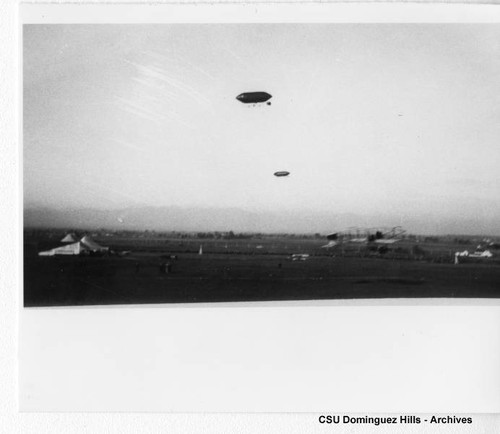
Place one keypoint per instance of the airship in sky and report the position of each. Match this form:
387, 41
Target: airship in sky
281, 173
254, 97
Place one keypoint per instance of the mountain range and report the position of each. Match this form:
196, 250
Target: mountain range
240, 220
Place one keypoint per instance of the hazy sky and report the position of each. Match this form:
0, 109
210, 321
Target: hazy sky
392, 119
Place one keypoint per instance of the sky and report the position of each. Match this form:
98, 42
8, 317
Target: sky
392, 119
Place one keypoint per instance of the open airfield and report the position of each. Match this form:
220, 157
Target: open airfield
168, 268
267, 128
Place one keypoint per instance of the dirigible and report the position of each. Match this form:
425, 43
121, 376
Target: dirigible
254, 97
281, 173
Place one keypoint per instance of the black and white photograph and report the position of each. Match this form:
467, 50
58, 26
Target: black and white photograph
219, 162
250, 217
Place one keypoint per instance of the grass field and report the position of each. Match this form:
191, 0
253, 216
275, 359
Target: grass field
247, 270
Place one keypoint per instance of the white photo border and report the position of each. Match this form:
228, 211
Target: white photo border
342, 356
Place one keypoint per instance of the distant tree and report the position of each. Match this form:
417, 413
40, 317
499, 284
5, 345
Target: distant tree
431, 239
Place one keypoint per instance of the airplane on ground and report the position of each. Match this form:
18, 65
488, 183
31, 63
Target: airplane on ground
381, 237
300, 256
